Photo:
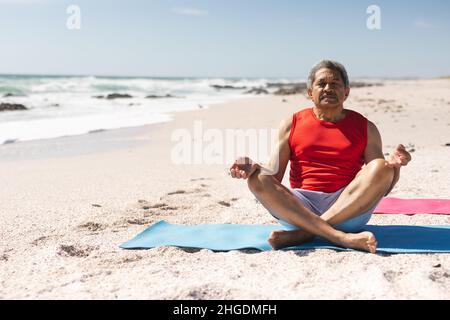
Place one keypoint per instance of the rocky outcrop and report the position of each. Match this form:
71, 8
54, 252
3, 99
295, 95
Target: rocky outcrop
284, 84
12, 107
257, 91
228, 87
357, 84
7, 95
285, 90
152, 96
118, 96
114, 96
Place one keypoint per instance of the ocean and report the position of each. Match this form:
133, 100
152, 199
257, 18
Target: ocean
69, 105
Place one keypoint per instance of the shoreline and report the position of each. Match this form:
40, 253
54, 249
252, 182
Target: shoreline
108, 135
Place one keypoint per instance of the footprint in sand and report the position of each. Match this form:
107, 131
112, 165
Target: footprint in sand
227, 203
92, 226
160, 206
169, 208
73, 251
200, 179
391, 275
439, 276
224, 203
39, 240
4, 257
176, 192
147, 206
138, 221
131, 259
196, 190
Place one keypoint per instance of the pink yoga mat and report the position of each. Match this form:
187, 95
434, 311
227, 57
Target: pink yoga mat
413, 206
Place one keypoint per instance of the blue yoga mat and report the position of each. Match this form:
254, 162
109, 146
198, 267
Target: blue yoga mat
226, 237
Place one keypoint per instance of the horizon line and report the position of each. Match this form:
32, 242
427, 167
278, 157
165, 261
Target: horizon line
212, 77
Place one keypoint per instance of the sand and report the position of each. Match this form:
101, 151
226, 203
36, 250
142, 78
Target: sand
68, 203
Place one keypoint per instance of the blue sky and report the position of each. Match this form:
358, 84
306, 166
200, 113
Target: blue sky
218, 38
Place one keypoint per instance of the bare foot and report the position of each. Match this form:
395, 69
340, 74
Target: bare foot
363, 241
281, 239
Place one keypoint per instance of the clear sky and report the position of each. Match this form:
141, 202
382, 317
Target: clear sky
224, 38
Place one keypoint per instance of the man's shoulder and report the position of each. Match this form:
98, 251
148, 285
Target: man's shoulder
356, 113
304, 111
287, 123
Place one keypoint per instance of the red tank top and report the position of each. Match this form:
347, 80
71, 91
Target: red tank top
326, 156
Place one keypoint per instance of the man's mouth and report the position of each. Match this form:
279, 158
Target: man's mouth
329, 96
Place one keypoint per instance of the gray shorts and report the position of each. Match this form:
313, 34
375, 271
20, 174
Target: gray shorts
319, 202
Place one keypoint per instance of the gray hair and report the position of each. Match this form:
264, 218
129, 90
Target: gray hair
328, 64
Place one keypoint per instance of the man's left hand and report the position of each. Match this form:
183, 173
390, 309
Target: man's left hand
400, 157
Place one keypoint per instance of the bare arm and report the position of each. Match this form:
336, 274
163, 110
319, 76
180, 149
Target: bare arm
245, 167
282, 154
374, 148
400, 157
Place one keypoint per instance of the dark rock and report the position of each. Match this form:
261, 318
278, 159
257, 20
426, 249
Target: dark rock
99, 97
284, 85
257, 91
7, 95
447, 144
289, 90
228, 87
159, 97
55, 105
118, 96
10, 141
12, 107
356, 84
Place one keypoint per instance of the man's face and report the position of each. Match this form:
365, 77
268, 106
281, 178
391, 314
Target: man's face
328, 89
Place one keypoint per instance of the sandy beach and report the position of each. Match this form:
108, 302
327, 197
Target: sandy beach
68, 203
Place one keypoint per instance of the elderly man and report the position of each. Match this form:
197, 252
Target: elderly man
338, 173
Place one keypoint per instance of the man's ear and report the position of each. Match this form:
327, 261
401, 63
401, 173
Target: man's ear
347, 92
310, 93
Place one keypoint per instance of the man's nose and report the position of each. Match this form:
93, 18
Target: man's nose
327, 87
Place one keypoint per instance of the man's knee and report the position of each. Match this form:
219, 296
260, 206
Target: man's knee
257, 182
380, 171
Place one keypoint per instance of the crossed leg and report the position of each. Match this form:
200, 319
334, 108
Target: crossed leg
361, 194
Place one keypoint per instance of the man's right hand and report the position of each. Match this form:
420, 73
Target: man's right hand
243, 168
